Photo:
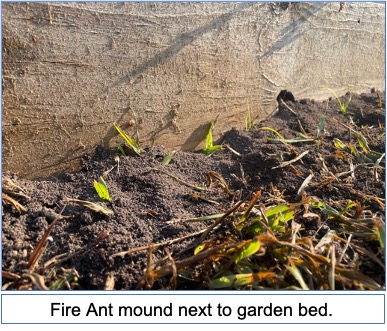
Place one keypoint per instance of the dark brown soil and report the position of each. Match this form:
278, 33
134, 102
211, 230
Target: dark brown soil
144, 200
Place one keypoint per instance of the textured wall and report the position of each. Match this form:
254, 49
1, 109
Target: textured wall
72, 69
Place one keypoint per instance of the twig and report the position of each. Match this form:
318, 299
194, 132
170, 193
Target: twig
284, 164
345, 249
17, 205
164, 243
232, 150
303, 186
333, 266
195, 219
41, 246
196, 188
109, 283
283, 102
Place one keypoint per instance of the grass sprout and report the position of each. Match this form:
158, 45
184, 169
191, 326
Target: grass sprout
299, 139
210, 148
320, 127
169, 158
239, 281
365, 155
246, 249
343, 105
102, 189
248, 120
134, 146
64, 282
121, 149
380, 229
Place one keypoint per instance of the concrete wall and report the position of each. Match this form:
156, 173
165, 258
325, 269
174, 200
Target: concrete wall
70, 70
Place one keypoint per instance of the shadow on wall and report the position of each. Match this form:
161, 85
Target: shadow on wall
290, 33
176, 46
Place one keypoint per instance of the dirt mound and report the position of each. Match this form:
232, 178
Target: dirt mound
323, 168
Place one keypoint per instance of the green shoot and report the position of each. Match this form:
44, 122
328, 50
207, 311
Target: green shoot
239, 280
339, 144
343, 106
328, 210
320, 126
301, 138
297, 274
101, 189
272, 130
376, 166
132, 144
120, 149
61, 284
249, 248
277, 218
380, 229
210, 148
169, 157
248, 120
363, 143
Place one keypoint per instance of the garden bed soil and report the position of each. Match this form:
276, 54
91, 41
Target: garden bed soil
152, 202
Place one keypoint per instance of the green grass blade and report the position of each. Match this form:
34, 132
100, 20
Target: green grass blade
363, 143
248, 120
102, 189
120, 149
210, 148
251, 247
320, 126
60, 284
347, 103
169, 158
274, 131
328, 210
339, 144
209, 141
380, 229
343, 106
290, 141
279, 216
297, 275
222, 282
132, 144
239, 280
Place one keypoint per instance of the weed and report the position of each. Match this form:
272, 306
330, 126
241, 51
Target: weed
380, 229
134, 146
343, 105
64, 282
320, 127
248, 120
210, 148
365, 155
169, 157
121, 149
299, 139
380, 101
102, 189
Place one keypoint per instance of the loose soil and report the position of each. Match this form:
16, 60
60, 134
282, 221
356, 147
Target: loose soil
151, 206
